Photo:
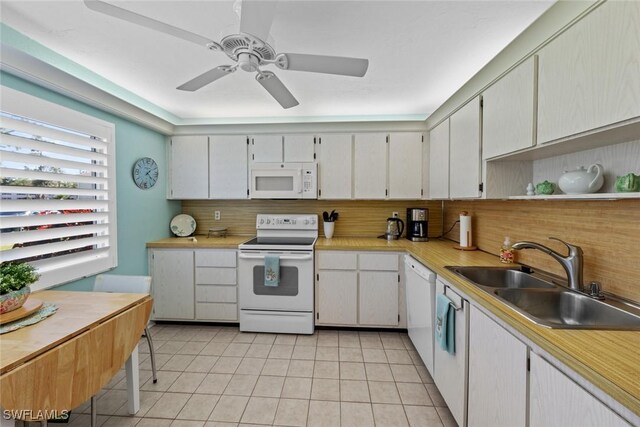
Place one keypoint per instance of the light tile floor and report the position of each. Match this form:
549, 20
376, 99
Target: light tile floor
218, 376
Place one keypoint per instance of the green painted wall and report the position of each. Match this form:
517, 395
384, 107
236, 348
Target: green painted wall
143, 215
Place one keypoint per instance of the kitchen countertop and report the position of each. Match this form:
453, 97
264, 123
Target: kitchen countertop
203, 242
608, 359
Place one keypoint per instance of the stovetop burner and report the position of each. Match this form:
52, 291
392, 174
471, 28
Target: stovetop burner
278, 232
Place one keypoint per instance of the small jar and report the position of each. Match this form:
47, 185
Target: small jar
506, 252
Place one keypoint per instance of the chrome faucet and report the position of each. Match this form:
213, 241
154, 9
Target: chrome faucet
572, 263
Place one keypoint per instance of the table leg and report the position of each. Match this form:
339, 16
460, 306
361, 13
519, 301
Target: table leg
133, 382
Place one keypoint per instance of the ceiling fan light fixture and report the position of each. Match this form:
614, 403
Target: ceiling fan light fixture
248, 62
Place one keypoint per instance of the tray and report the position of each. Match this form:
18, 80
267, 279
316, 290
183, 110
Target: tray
31, 306
217, 232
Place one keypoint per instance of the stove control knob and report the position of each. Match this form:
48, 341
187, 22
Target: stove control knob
268, 221
262, 221
306, 221
313, 221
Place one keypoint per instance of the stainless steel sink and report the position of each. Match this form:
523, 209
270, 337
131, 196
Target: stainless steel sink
534, 296
559, 308
501, 277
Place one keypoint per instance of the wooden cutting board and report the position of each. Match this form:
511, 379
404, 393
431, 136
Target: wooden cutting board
31, 306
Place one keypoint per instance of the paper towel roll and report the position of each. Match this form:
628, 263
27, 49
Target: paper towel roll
466, 240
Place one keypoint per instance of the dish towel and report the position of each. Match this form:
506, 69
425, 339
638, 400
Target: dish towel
445, 324
271, 271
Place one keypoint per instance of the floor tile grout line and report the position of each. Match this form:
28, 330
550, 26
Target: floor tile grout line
341, 359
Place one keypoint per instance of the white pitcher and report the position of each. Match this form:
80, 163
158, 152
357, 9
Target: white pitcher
581, 180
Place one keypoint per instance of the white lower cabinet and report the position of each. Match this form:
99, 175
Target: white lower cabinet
216, 285
172, 284
497, 375
337, 297
451, 370
196, 284
377, 288
358, 289
556, 401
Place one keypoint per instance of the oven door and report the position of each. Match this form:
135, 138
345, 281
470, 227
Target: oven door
295, 291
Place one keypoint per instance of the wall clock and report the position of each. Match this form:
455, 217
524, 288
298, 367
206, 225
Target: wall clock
145, 173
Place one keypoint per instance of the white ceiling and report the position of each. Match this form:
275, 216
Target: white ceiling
420, 52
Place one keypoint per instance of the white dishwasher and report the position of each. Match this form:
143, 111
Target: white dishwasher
420, 291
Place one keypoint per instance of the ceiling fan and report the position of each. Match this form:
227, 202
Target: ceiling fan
247, 49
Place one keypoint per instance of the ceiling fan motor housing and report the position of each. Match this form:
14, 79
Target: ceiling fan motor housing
236, 44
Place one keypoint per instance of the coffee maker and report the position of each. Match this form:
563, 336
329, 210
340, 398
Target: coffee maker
417, 224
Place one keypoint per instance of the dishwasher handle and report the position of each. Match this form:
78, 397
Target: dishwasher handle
419, 269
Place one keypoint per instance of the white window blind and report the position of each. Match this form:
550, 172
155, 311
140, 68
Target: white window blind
57, 173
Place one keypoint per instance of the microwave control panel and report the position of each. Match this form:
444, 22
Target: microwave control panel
309, 184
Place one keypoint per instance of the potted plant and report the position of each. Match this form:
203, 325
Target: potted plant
329, 223
15, 278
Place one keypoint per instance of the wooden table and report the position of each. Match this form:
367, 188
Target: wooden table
59, 363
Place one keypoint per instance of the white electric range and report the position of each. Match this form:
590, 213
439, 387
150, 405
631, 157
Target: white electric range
288, 307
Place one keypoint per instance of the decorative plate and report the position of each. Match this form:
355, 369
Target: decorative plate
183, 225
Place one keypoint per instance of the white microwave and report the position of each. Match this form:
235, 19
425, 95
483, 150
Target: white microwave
284, 181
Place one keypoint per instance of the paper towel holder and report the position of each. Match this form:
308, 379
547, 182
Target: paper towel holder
465, 233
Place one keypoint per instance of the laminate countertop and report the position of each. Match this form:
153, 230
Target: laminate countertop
201, 242
608, 359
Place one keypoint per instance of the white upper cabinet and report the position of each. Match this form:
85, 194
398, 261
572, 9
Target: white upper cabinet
228, 160
508, 112
425, 166
439, 161
589, 76
299, 148
405, 165
370, 166
335, 155
189, 167
266, 148
464, 151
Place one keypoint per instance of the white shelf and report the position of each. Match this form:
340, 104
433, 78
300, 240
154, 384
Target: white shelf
590, 196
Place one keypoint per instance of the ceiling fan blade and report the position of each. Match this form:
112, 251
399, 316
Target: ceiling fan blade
135, 18
207, 77
277, 89
341, 65
256, 17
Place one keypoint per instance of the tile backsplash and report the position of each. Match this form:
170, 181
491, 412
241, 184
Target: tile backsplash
608, 232
358, 218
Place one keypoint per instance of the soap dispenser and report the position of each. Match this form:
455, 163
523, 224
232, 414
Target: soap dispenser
506, 252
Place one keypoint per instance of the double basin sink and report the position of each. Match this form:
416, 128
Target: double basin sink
540, 300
